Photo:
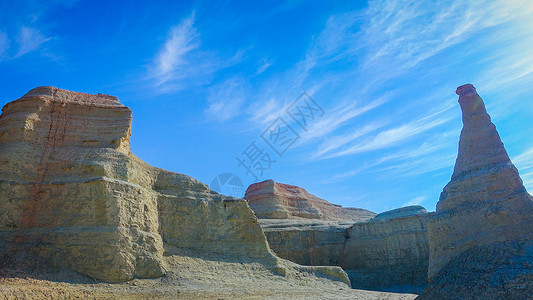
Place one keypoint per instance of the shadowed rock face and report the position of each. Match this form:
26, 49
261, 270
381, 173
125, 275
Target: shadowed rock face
485, 206
72, 193
272, 200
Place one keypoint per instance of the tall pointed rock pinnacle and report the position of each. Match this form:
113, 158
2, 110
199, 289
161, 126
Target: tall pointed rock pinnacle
485, 202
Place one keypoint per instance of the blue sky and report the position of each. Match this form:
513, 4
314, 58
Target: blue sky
207, 80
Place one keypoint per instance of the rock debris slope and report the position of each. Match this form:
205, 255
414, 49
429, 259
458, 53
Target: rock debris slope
74, 196
481, 236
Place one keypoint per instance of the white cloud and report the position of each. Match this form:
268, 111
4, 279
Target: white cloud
411, 161
528, 181
524, 164
226, 99
181, 62
415, 201
420, 166
438, 142
338, 117
391, 137
336, 142
513, 60
172, 59
266, 110
524, 160
409, 32
264, 64
29, 40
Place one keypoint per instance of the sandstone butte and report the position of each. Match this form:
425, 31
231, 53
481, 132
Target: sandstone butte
387, 252
273, 200
78, 208
481, 237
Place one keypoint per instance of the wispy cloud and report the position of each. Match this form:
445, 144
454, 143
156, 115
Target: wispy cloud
528, 181
338, 117
182, 63
29, 39
404, 34
512, 63
419, 166
336, 142
439, 142
263, 66
411, 161
415, 201
524, 163
226, 99
25, 28
172, 59
524, 160
391, 137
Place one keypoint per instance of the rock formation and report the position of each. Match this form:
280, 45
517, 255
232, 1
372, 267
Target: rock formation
299, 226
72, 194
307, 242
481, 236
272, 200
389, 252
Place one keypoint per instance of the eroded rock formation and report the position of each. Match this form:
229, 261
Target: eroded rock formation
481, 236
73, 194
273, 200
389, 252
299, 226
307, 242
386, 252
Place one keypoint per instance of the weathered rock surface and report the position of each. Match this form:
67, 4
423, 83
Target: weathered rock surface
299, 226
496, 271
389, 252
306, 242
74, 196
480, 238
273, 200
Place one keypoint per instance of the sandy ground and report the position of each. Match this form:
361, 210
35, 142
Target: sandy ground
187, 278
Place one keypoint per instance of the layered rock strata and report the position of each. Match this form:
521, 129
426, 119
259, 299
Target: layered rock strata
273, 200
72, 194
483, 225
307, 242
389, 252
